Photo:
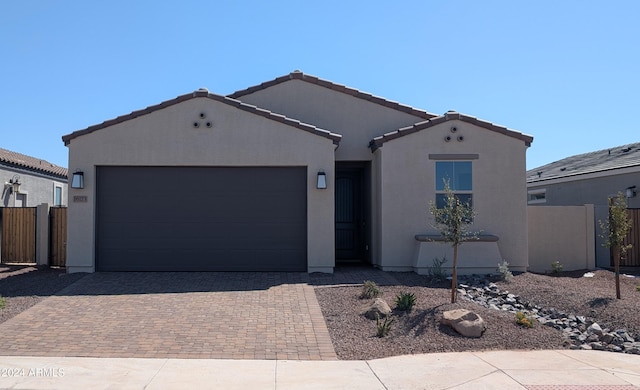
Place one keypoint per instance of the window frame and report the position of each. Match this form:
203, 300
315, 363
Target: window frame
468, 193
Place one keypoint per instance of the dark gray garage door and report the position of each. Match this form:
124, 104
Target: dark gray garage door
201, 219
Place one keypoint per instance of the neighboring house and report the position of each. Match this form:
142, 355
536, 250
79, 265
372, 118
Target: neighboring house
30, 181
294, 174
589, 178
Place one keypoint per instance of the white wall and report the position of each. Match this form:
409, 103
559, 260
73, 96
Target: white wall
167, 138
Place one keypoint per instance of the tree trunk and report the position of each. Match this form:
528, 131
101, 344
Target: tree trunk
616, 267
454, 275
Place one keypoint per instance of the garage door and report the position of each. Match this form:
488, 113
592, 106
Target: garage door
201, 219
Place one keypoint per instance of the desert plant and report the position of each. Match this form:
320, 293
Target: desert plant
453, 220
505, 273
405, 301
525, 320
638, 288
383, 327
556, 267
614, 232
370, 290
435, 272
2, 302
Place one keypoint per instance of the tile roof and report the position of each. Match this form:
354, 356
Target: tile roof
624, 156
206, 94
298, 75
451, 115
19, 160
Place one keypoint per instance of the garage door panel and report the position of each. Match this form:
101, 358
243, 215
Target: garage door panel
225, 219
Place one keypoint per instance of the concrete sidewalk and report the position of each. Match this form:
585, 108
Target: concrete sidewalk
563, 369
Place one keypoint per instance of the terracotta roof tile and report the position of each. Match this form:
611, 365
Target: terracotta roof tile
451, 115
19, 160
298, 75
625, 156
205, 94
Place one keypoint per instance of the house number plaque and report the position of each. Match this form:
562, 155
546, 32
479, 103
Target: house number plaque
80, 199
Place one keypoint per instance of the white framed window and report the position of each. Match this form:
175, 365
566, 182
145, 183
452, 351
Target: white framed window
537, 196
459, 175
57, 196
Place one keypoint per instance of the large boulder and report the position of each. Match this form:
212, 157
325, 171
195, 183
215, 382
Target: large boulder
465, 322
377, 309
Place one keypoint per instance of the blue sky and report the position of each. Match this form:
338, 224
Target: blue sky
566, 72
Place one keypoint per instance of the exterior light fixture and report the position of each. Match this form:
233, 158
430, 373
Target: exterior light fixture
78, 180
322, 181
15, 183
631, 192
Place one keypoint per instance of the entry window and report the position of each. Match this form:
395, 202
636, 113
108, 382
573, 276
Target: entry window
57, 196
459, 176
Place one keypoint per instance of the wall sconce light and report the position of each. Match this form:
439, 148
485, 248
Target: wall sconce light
631, 192
78, 180
15, 183
322, 181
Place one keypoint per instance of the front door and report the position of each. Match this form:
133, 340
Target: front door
350, 214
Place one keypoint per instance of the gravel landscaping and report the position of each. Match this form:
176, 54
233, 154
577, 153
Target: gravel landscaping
354, 337
23, 286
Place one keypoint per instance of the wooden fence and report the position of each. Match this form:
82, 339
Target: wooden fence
58, 236
18, 235
632, 258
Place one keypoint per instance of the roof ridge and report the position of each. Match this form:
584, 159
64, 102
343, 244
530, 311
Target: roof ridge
377, 142
299, 75
220, 98
24, 161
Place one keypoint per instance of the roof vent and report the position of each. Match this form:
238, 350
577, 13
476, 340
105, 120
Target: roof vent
203, 89
563, 169
539, 173
625, 150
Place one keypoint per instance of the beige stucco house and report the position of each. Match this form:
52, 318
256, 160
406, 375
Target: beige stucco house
295, 174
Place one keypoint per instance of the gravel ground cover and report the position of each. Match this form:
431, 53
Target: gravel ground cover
354, 337
23, 286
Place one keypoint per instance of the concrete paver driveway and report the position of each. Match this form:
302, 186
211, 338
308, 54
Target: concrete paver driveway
175, 315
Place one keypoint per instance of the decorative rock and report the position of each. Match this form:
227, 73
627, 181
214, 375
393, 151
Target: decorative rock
595, 328
579, 332
377, 309
465, 322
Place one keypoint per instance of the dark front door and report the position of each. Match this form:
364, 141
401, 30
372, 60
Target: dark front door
350, 215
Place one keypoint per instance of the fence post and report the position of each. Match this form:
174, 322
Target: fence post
42, 234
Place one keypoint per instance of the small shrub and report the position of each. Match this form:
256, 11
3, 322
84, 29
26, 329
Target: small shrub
556, 267
370, 290
405, 301
505, 274
384, 327
525, 320
436, 273
2, 302
638, 288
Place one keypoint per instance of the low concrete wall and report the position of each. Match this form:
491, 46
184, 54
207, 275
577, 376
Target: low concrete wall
561, 233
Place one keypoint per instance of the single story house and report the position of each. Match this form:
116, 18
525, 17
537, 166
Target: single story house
590, 178
30, 181
295, 174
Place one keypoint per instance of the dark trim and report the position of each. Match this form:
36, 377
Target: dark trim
433, 156
439, 238
205, 94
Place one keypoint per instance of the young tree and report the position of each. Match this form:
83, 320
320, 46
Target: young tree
453, 220
614, 232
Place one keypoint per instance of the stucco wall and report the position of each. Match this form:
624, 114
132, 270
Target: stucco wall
561, 233
38, 188
167, 138
590, 189
357, 120
408, 184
